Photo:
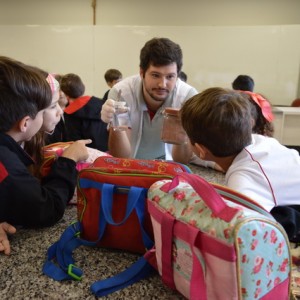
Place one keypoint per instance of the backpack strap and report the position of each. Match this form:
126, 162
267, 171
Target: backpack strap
65, 269
141, 269
60, 264
135, 201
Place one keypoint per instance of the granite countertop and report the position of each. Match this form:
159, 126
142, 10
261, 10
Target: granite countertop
21, 273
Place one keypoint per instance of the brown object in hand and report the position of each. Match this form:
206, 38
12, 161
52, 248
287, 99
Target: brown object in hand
172, 131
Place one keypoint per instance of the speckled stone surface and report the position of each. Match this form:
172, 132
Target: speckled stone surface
21, 273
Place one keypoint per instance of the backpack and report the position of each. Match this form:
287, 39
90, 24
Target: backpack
209, 247
211, 243
52, 151
112, 211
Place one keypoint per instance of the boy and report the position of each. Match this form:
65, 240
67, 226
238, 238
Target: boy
111, 76
218, 123
243, 83
82, 115
24, 200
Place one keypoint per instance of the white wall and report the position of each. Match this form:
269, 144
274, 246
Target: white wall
247, 37
153, 13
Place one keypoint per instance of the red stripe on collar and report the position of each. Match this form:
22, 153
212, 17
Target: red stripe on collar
77, 104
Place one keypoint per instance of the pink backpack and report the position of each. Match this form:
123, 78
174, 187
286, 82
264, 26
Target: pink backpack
209, 247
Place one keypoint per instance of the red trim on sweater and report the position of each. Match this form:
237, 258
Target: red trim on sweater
3, 172
77, 104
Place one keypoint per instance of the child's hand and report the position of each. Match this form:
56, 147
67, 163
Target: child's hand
5, 229
77, 151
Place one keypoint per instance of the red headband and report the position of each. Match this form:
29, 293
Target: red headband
264, 105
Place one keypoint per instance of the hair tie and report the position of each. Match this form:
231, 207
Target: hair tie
264, 105
54, 85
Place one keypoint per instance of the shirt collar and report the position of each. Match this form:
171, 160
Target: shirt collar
8, 142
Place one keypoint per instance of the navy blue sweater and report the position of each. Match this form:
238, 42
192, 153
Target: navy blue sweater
24, 199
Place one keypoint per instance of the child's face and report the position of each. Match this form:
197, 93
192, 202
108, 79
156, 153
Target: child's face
112, 83
52, 114
34, 126
63, 101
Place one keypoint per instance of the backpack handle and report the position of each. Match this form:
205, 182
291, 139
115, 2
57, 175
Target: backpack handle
135, 202
208, 194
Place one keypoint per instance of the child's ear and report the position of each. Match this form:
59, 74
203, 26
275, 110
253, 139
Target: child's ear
202, 151
23, 124
68, 99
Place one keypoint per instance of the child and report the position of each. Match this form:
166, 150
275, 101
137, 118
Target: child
183, 76
219, 124
111, 76
261, 112
59, 133
25, 95
243, 83
82, 115
41, 155
51, 117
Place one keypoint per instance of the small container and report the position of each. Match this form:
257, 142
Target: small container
172, 131
121, 116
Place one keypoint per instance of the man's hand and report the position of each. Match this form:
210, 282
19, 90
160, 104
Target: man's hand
108, 110
5, 229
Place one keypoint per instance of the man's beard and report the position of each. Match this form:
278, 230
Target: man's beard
158, 99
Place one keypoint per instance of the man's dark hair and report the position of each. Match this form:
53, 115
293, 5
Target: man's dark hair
160, 52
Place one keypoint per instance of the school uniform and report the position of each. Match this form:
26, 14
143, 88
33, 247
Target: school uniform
267, 172
105, 96
82, 121
26, 201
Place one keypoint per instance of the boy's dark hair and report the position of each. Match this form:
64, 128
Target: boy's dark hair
58, 77
72, 85
112, 74
243, 83
182, 76
23, 92
160, 52
219, 119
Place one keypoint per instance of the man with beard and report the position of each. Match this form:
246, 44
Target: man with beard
147, 95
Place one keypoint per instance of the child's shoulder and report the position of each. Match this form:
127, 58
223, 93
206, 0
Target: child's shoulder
268, 153
13, 158
263, 142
